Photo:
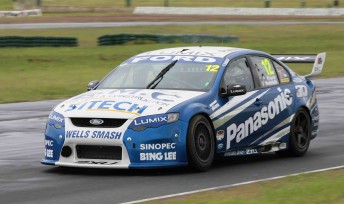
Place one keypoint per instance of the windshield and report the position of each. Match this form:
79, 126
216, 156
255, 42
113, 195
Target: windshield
182, 76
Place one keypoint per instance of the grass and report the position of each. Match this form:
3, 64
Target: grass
31, 74
189, 3
316, 188
6, 5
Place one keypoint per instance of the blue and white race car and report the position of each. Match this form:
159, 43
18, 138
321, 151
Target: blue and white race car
184, 106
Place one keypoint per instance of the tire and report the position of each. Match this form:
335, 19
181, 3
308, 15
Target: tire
299, 136
200, 143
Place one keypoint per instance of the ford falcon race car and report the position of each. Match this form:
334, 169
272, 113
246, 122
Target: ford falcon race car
184, 106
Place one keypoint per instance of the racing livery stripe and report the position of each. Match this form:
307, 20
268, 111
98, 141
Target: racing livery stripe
235, 101
283, 123
230, 115
274, 138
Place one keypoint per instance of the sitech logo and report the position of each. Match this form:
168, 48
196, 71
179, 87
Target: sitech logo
108, 105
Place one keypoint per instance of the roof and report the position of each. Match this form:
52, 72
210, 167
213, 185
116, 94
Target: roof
205, 51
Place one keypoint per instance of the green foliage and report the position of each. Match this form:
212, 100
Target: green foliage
30, 74
6, 5
317, 188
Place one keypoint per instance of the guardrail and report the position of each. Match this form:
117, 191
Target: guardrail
241, 11
33, 12
120, 39
37, 41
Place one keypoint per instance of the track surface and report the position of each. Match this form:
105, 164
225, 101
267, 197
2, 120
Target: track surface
24, 180
121, 24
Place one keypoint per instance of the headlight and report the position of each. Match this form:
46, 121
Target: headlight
172, 117
153, 121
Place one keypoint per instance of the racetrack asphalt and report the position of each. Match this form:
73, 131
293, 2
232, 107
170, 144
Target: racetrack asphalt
122, 24
24, 180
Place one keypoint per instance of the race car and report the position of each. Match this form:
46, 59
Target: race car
184, 106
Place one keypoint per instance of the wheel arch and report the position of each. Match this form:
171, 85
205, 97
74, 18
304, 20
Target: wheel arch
206, 115
307, 110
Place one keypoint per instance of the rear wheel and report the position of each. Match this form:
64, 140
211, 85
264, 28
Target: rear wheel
299, 137
200, 143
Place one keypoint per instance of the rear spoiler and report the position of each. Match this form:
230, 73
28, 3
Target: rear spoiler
318, 61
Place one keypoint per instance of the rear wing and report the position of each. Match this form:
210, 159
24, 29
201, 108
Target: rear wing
318, 61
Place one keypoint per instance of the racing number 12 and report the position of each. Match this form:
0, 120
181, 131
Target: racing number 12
267, 65
212, 68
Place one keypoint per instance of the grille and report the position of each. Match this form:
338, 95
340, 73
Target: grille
108, 122
99, 152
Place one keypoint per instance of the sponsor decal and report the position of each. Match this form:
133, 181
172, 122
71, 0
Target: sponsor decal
49, 153
178, 52
158, 156
214, 105
109, 105
162, 97
220, 134
155, 98
301, 91
239, 132
235, 153
242, 152
252, 151
55, 117
93, 134
49, 143
157, 146
151, 119
294, 58
320, 60
225, 62
297, 80
168, 58
220, 146
232, 91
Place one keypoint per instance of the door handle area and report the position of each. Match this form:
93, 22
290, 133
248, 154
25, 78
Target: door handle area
258, 102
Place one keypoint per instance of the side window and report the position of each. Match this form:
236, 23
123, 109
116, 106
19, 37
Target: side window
238, 72
265, 70
283, 75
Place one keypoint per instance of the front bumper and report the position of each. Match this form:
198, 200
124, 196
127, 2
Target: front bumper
163, 146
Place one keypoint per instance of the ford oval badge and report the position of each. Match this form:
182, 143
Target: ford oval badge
96, 121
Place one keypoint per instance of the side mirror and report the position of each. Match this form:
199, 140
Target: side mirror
92, 84
233, 90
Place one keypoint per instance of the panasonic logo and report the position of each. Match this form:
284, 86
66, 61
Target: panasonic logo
252, 124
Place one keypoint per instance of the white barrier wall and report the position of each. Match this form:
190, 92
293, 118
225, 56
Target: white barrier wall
33, 12
241, 11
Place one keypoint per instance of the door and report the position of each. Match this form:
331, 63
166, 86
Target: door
234, 121
273, 116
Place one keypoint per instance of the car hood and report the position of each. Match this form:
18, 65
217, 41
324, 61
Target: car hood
123, 103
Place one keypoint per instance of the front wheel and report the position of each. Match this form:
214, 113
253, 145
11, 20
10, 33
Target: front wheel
200, 143
299, 137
